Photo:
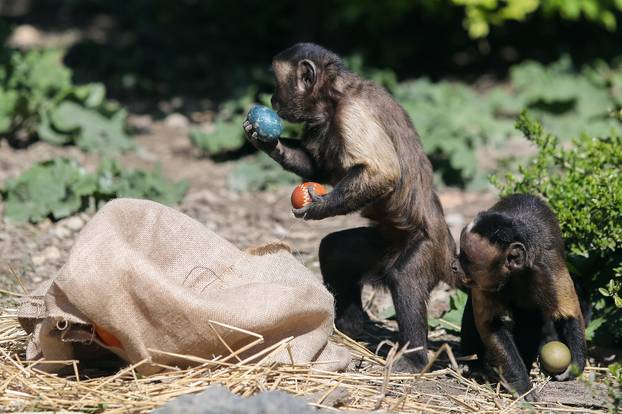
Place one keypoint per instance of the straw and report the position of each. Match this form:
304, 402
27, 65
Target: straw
370, 385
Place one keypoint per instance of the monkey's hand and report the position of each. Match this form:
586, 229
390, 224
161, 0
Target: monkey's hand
259, 142
568, 374
316, 210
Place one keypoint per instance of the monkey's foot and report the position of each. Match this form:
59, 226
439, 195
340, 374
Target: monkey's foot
412, 363
351, 321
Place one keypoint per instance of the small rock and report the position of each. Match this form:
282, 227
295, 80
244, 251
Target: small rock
61, 232
45, 224
49, 253
176, 120
74, 223
25, 36
140, 122
218, 400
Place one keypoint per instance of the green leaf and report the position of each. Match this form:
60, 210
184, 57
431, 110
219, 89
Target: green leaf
451, 320
92, 130
387, 313
61, 187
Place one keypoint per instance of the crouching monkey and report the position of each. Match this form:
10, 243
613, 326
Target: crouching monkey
521, 294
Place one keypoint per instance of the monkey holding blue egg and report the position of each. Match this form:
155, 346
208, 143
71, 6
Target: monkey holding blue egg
267, 125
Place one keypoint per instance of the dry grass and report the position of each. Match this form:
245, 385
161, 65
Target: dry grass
369, 385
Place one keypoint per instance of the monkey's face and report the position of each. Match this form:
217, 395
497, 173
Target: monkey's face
481, 262
294, 86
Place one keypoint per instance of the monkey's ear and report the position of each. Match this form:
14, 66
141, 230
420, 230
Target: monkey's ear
516, 257
306, 74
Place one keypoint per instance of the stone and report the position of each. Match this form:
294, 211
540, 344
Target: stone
218, 400
74, 223
48, 254
61, 232
176, 120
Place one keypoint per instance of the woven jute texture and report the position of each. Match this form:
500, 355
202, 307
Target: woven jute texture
157, 280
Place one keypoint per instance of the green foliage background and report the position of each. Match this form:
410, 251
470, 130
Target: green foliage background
61, 187
38, 98
456, 120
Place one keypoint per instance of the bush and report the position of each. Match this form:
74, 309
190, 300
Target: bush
61, 187
481, 14
582, 185
260, 173
37, 98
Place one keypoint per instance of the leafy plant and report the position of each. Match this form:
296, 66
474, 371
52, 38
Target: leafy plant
453, 121
260, 173
480, 14
566, 101
115, 181
38, 98
55, 188
582, 186
614, 387
452, 318
61, 187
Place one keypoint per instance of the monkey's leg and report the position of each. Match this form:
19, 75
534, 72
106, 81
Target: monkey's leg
345, 258
470, 342
411, 279
567, 316
529, 330
572, 333
501, 350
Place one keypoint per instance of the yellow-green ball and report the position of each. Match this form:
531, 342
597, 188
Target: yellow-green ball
555, 357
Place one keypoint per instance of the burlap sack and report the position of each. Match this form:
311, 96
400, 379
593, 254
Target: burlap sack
155, 279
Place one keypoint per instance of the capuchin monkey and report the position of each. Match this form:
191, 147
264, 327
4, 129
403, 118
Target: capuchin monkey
358, 139
521, 294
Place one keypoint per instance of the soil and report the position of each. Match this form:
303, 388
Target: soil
31, 253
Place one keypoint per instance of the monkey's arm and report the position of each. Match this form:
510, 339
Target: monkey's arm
286, 151
501, 350
572, 333
292, 157
356, 189
568, 320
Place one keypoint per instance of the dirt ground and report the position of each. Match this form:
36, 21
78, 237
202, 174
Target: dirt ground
32, 253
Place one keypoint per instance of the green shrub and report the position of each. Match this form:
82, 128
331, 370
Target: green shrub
582, 185
451, 320
481, 14
566, 100
260, 173
38, 98
453, 122
61, 187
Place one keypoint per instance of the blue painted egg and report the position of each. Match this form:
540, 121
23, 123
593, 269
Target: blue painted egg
266, 122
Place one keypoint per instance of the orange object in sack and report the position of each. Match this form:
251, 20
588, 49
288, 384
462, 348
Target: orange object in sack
107, 338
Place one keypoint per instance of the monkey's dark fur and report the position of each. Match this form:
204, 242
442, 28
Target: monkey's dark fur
522, 296
360, 140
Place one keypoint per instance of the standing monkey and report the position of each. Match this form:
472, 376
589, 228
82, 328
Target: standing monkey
521, 294
360, 140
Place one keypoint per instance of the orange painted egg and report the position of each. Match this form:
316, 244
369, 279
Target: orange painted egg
301, 197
